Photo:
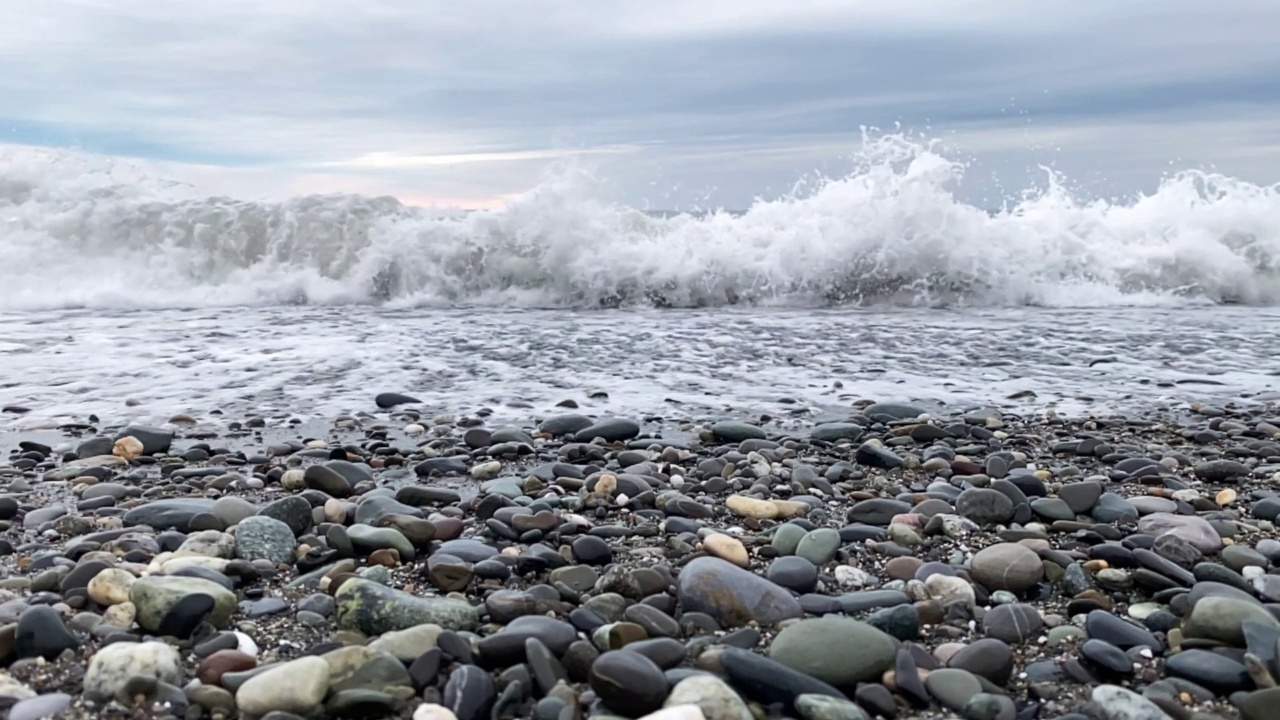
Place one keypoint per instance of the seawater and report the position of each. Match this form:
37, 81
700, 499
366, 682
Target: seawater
75, 233
124, 297
315, 362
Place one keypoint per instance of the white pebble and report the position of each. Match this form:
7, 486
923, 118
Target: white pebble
433, 712
246, 644
852, 577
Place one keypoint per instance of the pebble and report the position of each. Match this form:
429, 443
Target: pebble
1014, 623
952, 687
298, 687
114, 665
373, 609
834, 650
713, 697
721, 571
751, 507
1007, 566
40, 707
1222, 619
727, 548
733, 596
628, 682
40, 632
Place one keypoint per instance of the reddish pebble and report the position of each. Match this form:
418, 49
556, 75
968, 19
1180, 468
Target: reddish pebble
212, 668
903, 568
387, 557
447, 528
915, 520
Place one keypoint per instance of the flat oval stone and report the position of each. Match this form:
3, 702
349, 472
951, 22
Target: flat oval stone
733, 596
628, 682
173, 513
952, 688
984, 506
767, 681
1102, 625
991, 658
1108, 657
472, 551
1007, 566
1222, 618
1014, 623
734, 431
835, 650
793, 573
1216, 672
1191, 528
610, 430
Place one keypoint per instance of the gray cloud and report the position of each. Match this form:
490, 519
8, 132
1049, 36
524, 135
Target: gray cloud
674, 101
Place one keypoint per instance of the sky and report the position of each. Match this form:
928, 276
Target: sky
669, 103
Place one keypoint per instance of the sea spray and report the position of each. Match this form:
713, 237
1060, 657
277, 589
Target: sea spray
893, 231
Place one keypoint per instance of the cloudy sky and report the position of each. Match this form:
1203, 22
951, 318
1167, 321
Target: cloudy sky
671, 102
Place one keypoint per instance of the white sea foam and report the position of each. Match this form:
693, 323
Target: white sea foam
77, 234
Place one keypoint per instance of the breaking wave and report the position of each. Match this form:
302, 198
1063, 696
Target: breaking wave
893, 231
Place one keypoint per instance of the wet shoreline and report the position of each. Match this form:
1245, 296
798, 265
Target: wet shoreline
315, 363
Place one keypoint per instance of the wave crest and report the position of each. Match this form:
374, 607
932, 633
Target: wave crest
893, 231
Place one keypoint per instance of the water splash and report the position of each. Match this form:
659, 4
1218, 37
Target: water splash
76, 232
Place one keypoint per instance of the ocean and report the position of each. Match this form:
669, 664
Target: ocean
995, 437
136, 300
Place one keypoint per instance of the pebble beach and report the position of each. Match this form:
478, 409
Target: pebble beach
896, 562
710, 361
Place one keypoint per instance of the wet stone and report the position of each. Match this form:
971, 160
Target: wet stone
629, 683
265, 538
1102, 625
374, 609
767, 681
1107, 657
1222, 619
1007, 566
1014, 623
41, 633
732, 595
793, 573
838, 651
1210, 670
984, 506
293, 511
953, 688
176, 599
732, 431
818, 546
610, 430
173, 513
991, 658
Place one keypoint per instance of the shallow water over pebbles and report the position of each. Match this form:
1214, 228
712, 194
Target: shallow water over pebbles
320, 361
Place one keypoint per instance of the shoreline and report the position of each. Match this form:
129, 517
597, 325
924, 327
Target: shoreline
470, 526
520, 364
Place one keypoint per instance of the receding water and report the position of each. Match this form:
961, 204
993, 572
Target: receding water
320, 361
